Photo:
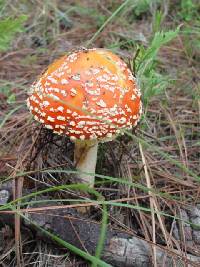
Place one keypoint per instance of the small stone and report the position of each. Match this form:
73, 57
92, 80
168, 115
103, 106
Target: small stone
4, 196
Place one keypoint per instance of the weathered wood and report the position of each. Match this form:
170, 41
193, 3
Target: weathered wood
121, 249
134, 252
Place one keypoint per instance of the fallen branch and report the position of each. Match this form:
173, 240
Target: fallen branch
120, 248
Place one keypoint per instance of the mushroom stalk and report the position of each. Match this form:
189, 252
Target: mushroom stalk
85, 157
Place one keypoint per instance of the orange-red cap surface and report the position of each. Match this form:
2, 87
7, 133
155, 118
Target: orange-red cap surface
88, 94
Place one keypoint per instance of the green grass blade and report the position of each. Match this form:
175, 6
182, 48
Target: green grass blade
106, 23
9, 115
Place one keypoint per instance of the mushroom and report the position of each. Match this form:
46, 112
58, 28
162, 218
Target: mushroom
91, 96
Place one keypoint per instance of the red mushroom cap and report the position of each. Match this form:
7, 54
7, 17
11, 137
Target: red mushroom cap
88, 94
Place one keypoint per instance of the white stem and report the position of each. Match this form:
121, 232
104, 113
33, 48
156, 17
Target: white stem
85, 156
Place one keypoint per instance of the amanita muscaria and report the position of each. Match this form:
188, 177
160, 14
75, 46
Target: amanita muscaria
91, 96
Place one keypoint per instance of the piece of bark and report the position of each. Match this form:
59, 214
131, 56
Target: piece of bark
194, 217
73, 228
182, 231
121, 249
134, 252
